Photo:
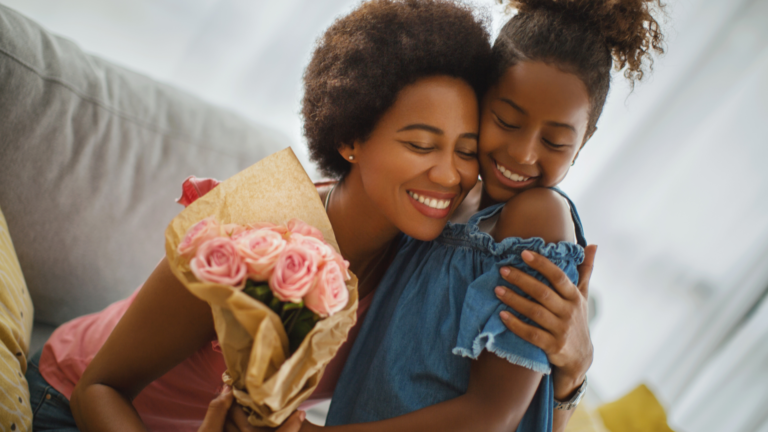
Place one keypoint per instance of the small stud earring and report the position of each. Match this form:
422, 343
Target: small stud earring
351, 157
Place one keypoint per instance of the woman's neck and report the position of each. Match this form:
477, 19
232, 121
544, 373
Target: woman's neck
365, 236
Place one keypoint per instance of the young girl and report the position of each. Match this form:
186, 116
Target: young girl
445, 357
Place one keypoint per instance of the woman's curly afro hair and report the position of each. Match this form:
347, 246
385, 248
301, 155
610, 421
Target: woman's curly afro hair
365, 58
583, 37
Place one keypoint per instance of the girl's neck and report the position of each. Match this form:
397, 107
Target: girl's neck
364, 235
486, 200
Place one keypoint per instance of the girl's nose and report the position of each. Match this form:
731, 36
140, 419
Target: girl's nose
444, 172
523, 151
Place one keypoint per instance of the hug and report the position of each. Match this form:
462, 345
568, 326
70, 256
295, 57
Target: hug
443, 150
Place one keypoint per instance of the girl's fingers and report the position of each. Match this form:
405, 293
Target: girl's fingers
585, 269
216, 416
534, 288
527, 332
293, 424
552, 273
535, 312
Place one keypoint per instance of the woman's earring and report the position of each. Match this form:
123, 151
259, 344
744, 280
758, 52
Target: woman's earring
351, 157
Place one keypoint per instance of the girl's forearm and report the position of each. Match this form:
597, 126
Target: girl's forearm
461, 414
98, 407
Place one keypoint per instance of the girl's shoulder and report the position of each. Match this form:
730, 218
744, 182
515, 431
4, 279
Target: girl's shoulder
537, 212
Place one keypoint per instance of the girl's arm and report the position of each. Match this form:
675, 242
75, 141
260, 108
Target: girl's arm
561, 312
498, 395
164, 325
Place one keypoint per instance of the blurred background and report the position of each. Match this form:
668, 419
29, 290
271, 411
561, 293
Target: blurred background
673, 187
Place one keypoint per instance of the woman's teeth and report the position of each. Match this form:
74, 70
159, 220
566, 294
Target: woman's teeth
510, 175
431, 202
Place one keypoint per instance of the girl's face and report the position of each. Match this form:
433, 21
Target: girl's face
533, 124
421, 159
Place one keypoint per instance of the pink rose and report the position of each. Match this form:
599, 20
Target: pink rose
322, 249
260, 249
198, 234
218, 261
276, 228
297, 226
330, 293
294, 273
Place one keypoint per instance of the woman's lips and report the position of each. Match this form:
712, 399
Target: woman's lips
509, 182
431, 204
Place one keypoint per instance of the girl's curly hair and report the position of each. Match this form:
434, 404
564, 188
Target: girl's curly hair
583, 37
365, 58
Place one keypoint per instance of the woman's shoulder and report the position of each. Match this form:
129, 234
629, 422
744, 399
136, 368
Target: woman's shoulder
536, 212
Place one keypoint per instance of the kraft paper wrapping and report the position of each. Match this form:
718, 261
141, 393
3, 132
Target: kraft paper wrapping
252, 338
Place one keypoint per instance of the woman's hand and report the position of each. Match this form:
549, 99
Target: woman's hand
225, 416
561, 313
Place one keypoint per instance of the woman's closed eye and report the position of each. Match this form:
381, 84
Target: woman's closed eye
419, 147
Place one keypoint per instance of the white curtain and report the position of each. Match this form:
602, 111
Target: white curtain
680, 213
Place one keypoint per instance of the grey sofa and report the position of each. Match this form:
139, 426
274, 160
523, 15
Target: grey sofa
92, 157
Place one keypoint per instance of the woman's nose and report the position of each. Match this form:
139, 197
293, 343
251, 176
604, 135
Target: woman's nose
444, 172
524, 151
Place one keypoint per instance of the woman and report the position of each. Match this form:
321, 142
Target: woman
164, 332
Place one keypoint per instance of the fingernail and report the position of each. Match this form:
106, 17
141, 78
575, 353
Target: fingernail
505, 315
499, 291
527, 256
226, 389
505, 271
302, 415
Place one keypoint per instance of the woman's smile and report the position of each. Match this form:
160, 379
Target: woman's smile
432, 204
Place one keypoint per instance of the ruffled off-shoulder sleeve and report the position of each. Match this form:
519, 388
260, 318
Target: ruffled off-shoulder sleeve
481, 327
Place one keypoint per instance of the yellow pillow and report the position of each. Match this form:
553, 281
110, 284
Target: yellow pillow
15, 331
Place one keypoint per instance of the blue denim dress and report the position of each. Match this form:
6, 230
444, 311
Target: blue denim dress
433, 313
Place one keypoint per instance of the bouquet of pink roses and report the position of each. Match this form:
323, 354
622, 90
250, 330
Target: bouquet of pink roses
281, 296
289, 268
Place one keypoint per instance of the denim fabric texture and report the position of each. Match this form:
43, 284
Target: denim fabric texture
433, 313
50, 409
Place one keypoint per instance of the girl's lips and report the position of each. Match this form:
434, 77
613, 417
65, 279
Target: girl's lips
508, 182
430, 211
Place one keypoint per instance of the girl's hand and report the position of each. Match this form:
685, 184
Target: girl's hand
225, 416
561, 313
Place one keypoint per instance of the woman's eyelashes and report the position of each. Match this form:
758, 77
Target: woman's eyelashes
425, 148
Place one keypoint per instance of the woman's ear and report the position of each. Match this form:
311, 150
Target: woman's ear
349, 152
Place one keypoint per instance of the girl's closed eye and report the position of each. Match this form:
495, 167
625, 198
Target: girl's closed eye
555, 145
505, 124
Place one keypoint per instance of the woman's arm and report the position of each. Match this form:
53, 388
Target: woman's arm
164, 325
498, 395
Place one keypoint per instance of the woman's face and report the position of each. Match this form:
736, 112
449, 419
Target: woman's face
421, 159
533, 124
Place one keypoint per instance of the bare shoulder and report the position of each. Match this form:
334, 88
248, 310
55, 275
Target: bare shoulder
537, 212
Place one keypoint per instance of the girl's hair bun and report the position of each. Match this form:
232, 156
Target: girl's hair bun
628, 27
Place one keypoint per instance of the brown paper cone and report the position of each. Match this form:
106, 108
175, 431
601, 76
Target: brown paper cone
252, 338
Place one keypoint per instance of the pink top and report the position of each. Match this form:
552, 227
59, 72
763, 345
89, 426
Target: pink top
178, 400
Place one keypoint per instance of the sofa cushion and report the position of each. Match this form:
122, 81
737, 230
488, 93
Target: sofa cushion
15, 332
92, 157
